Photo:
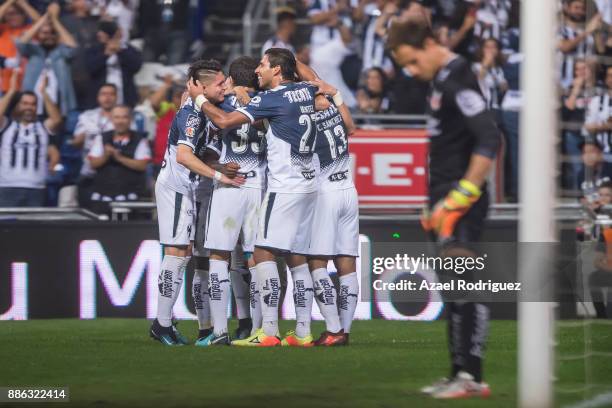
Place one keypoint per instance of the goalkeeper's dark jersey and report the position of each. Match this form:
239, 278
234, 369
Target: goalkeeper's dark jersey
460, 123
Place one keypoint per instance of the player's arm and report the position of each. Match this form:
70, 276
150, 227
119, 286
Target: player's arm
221, 119
327, 89
211, 158
186, 157
305, 72
481, 124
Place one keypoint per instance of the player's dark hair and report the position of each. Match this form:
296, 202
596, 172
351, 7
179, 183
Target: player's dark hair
280, 57
412, 32
203, 70
285, 14
242, 72
108, 85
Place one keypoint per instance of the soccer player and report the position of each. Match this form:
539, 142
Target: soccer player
173, 193
286, 214
463, 143
336, 218
233, 212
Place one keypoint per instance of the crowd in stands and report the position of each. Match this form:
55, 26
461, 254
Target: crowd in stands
83, 60
347, 47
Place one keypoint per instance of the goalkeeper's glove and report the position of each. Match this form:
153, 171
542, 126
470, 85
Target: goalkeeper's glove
447, 212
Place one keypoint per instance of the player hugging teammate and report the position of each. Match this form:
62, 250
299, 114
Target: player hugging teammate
280, 223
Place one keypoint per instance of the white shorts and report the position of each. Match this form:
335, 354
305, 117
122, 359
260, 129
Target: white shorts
174, 216
285, 222
336, 224
201, 199
233, 210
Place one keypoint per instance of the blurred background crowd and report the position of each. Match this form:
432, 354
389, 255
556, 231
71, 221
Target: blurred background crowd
90, 87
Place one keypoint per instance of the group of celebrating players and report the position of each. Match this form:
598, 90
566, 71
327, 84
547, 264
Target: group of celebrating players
254, 163
229, 144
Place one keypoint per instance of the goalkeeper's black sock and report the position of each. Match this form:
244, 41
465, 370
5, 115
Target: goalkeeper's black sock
454, 338
475, 328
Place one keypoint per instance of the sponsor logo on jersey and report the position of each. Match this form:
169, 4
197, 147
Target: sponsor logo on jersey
309, 175
342, 175
189, 132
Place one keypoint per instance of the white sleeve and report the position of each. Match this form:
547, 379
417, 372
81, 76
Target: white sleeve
143, 151
97, 149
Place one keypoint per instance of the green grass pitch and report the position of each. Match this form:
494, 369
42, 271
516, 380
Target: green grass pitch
112, 362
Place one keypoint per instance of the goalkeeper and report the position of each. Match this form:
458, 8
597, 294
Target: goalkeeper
463, 142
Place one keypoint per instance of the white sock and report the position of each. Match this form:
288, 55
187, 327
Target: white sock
268, 281
219, 292
240, 287
201, 299
349, 293
302, 298
255, 301
325, 293
169, 283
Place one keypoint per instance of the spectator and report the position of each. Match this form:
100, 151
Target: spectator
115, 62
90, 125
327, 16
27, 147
165, 101
14, 14
119, 11
372, 97
595, 170
165, 30
324, 16
573, 114
575, 39
511, 107
49, 57
374, 54
120, 158
601, 278
491, 19
489, 72
598, 122
83, 26
286, 28
326, 60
